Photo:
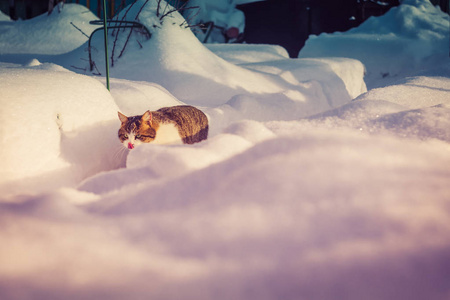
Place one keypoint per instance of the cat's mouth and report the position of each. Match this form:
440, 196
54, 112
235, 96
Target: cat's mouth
130, 146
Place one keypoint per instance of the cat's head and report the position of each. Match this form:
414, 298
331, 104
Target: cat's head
136, 130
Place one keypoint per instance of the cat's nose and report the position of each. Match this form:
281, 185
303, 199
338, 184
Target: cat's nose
130, 146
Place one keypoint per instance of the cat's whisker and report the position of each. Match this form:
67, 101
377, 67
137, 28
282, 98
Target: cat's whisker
119, 153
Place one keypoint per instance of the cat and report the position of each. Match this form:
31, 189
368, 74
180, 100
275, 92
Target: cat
183, 124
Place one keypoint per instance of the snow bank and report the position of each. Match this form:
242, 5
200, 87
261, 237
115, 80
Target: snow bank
316, 86
47, 34
287, 198
335, 203
303, 87
406, 39
292, 214
175, 59
416, 107
50, 119
4, 17
134, 98
248, 53
414, 92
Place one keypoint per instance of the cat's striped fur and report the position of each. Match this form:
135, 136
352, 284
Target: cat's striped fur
177, 124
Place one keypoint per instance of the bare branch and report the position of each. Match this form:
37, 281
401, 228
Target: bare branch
177, 9
157, 8
142, 7
79, 30
126, 43
188, 19
131, 30
95, 66
78, 68
165, 8
125, 14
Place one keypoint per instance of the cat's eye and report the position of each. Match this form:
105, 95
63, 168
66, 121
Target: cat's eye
138, 136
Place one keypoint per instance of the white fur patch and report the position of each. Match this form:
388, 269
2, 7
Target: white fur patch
131, 139
167, 133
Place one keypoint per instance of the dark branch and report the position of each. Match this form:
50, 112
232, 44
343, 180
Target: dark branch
79, 30
177, 9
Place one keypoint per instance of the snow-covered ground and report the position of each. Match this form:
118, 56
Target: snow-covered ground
309, 186
407, 39
56, 33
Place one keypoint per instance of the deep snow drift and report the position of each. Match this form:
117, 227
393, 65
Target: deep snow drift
56, 33
299, 193
48, 121
410, 37
4, 17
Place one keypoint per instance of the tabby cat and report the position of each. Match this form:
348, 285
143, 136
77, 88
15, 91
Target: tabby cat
168, 125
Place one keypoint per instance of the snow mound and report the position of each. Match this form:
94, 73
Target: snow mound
46, 118
48, 34
298, 193
275, 162
4, 17
418, 109
282, 208
415, 19
175, 59
248, 53
320, 84
414, 92
405, 39
426, 123
135, 98
153, 165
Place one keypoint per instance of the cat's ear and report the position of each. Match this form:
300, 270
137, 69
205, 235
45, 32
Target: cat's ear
122, 117
147, 117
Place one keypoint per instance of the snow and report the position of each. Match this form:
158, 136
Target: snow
309, 186
46, 115
222, 13
248, 53
4, 17
57, 33
407, 38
